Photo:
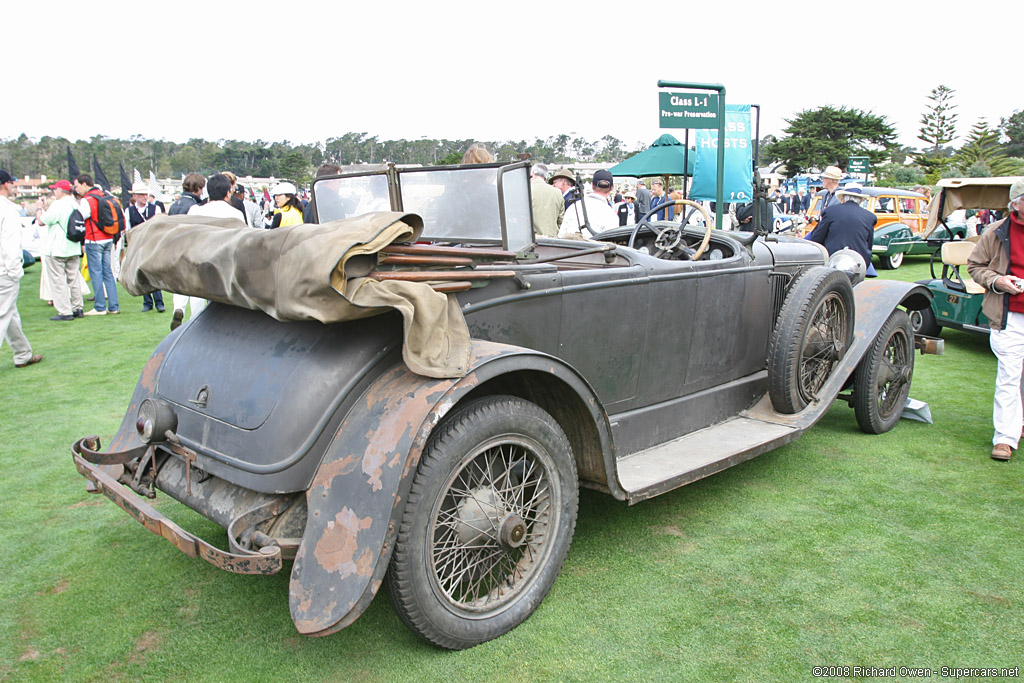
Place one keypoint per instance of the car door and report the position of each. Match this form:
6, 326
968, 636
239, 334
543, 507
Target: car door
910, 214
604, 329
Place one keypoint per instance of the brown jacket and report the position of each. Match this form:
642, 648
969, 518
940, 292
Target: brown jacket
989, 260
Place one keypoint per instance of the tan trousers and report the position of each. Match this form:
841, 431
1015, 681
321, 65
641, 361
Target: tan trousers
10, 321
65, 283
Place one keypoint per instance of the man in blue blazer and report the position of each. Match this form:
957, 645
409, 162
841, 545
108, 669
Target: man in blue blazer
846, 223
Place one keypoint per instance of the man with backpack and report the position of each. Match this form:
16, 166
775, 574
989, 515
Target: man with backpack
65, 256
100, 211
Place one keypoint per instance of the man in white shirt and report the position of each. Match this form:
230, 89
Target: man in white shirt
11, 271
218, 186
600, 213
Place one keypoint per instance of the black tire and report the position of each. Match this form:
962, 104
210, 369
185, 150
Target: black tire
881, 382
487, 525
924, 322
891, 262
813, 333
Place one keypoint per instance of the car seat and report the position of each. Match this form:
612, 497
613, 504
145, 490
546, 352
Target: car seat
954, 255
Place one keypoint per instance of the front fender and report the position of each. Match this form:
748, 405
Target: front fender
892, 239
358, 494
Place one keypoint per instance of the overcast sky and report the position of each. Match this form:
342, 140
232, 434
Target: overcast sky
308, 71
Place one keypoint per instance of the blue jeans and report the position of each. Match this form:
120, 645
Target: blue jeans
98, 256
148, 300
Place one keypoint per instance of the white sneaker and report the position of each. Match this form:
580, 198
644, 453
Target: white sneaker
95, 312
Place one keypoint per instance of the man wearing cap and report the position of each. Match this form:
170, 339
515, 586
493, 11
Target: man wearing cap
564, 182
138, 212
847, 225
65, 256
997, 264
10, 275
546, 202
830, 178
599, 212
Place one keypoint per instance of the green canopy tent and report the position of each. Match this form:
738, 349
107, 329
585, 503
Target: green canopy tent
667, 156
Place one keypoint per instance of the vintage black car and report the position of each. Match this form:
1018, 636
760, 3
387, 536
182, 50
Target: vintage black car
633, 363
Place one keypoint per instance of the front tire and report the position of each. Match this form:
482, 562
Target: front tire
487, 525
881, 382
813, 333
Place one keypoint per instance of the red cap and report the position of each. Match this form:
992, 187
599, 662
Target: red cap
62, 184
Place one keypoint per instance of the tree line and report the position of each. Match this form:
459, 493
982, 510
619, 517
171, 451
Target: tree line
811, 140
47, 156
829, 135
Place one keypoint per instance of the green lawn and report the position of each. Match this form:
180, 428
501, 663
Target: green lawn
841, 549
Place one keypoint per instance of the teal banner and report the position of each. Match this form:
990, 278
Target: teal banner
738, 179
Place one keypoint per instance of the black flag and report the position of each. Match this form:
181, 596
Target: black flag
101, 178
72, 166
126, 187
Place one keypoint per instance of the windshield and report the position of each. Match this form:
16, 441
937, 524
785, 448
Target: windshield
475, 204
350, 196
454, 204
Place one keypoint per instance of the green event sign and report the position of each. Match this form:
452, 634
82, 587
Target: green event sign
858, 165
688, 110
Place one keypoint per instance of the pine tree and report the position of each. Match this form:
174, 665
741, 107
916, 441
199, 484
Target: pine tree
938, 123
981, 153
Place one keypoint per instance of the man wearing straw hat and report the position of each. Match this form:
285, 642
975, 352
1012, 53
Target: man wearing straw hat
830, 178
847, 225
138, 212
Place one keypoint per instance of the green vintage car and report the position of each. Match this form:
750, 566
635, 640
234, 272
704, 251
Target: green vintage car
902, 221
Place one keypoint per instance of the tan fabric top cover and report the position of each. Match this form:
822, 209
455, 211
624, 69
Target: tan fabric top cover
301, 272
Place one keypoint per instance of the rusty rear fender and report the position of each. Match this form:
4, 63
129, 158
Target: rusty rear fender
358, 494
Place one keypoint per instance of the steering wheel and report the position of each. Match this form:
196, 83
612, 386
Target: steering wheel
669, 236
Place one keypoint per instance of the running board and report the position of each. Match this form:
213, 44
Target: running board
758, 429
702, 453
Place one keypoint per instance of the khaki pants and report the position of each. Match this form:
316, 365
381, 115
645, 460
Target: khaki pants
10, 321
65, 283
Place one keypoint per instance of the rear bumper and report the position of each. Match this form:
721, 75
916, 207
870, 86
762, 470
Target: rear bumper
90, 463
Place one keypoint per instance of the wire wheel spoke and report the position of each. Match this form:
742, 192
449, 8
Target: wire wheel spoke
824, 346
892, 374
491, 526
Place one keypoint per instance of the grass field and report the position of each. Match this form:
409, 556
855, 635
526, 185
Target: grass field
841, 549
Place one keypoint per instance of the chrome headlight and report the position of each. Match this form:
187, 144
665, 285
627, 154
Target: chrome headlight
851, 263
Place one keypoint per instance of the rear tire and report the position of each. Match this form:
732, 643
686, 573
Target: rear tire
487, 525
813, 333
881, 383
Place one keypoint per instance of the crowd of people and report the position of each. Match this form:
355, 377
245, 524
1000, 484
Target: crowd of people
104, 235
632, 203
